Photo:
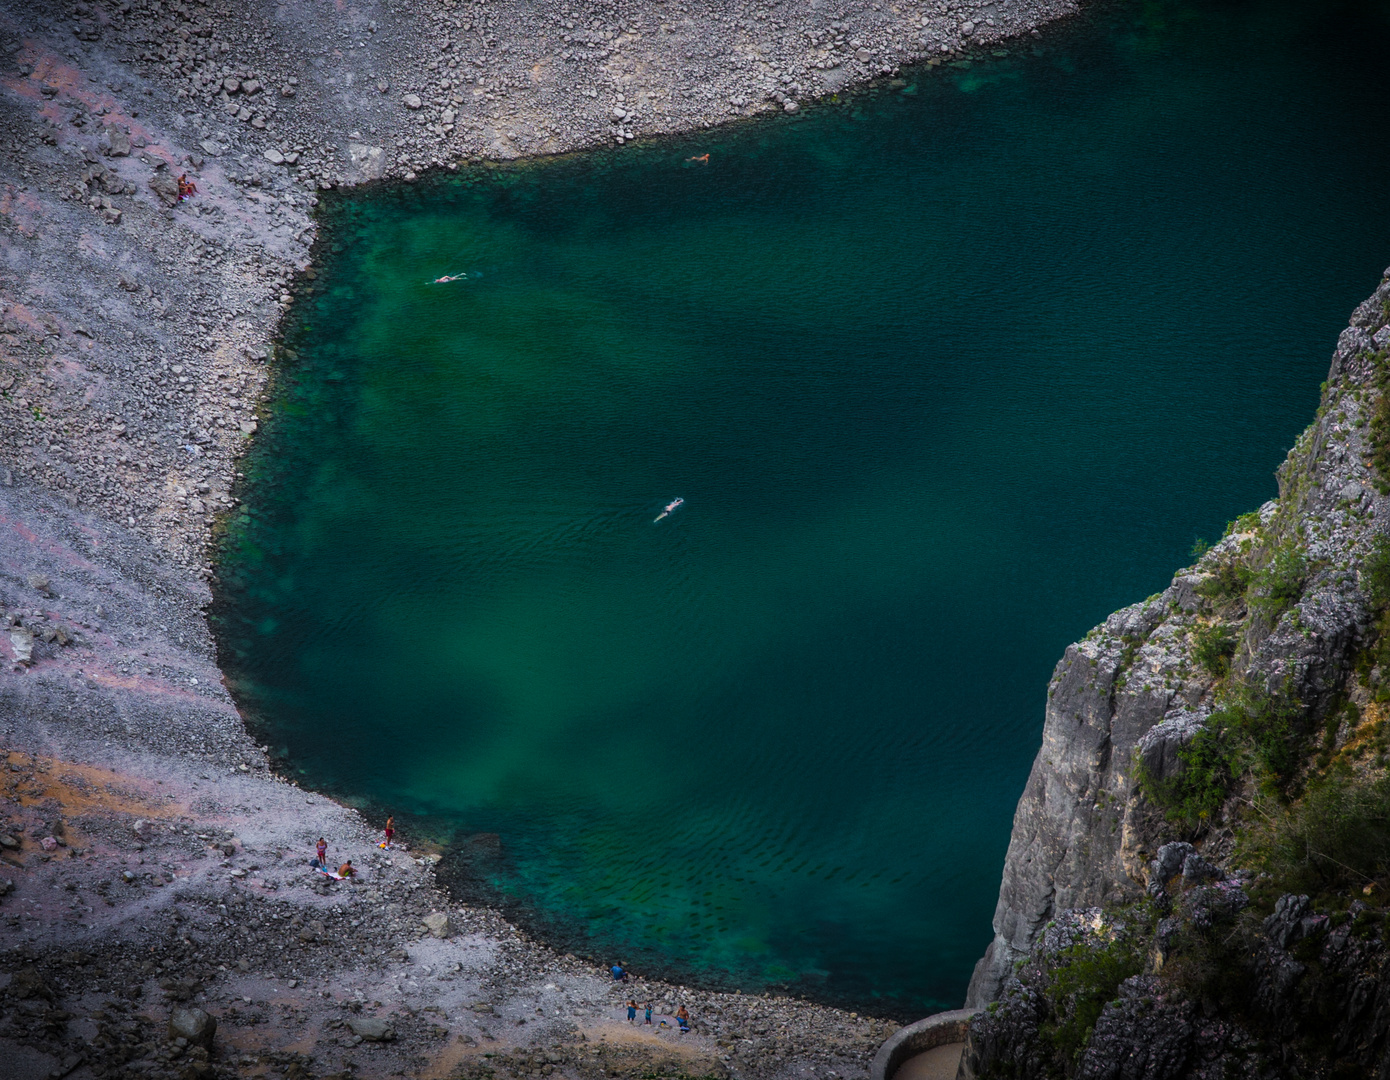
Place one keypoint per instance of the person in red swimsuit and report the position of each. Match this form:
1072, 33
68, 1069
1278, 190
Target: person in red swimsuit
390, 830
322, 851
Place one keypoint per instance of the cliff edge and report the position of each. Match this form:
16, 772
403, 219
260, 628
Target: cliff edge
1210, 794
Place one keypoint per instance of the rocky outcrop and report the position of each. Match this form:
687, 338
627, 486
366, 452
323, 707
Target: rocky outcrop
1137, 689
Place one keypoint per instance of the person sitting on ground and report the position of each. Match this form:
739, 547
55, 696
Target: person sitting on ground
683, 1019
346, 870
619, 975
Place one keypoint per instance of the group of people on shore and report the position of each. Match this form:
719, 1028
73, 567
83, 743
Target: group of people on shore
682, 1017
346, 872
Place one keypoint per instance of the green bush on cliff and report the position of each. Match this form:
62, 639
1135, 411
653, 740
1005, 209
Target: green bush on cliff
1375, 580
1082, 979
1380, 425
1336, 837
1253, 735
1228, 581
1279, 584
1210, 764
1225, 583
1375, 574
1212, 647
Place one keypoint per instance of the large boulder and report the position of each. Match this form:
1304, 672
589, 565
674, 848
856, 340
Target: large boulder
194, 1025
114, 142
166, 185
439, 924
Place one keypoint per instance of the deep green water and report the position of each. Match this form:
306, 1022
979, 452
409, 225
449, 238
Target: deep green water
945, 374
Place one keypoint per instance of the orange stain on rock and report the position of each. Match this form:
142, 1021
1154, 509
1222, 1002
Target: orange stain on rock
83, 789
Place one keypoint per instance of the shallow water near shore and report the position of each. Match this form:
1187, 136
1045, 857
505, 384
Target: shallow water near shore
944, 373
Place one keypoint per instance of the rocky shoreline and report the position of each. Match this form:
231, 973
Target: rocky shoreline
150, 859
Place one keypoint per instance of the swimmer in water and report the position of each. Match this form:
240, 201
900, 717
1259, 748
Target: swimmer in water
703, 159
670, 507
448, 278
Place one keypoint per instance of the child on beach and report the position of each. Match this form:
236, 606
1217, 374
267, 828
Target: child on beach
631, 1011
390, 831
649, 1012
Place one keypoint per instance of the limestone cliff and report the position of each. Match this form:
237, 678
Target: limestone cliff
1278, 610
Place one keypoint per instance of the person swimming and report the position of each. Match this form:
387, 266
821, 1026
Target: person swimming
447, 278
671, 506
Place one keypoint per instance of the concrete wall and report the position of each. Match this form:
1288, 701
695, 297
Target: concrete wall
936, 1030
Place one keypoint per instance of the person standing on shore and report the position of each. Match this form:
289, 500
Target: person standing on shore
683, 1019
390, 830
321, 851
631, 1011
649, 1014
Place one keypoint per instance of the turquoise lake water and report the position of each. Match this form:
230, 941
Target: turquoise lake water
945, 373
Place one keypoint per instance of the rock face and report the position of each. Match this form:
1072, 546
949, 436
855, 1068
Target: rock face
1135, 692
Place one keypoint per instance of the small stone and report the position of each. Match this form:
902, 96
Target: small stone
412, 101
438, 924
8, 842
967, 28
231, 85
250, 86
194, 1025
371, 1029
790, 106
273, 156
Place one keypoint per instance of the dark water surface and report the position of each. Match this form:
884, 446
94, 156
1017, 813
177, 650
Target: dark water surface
945, 374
